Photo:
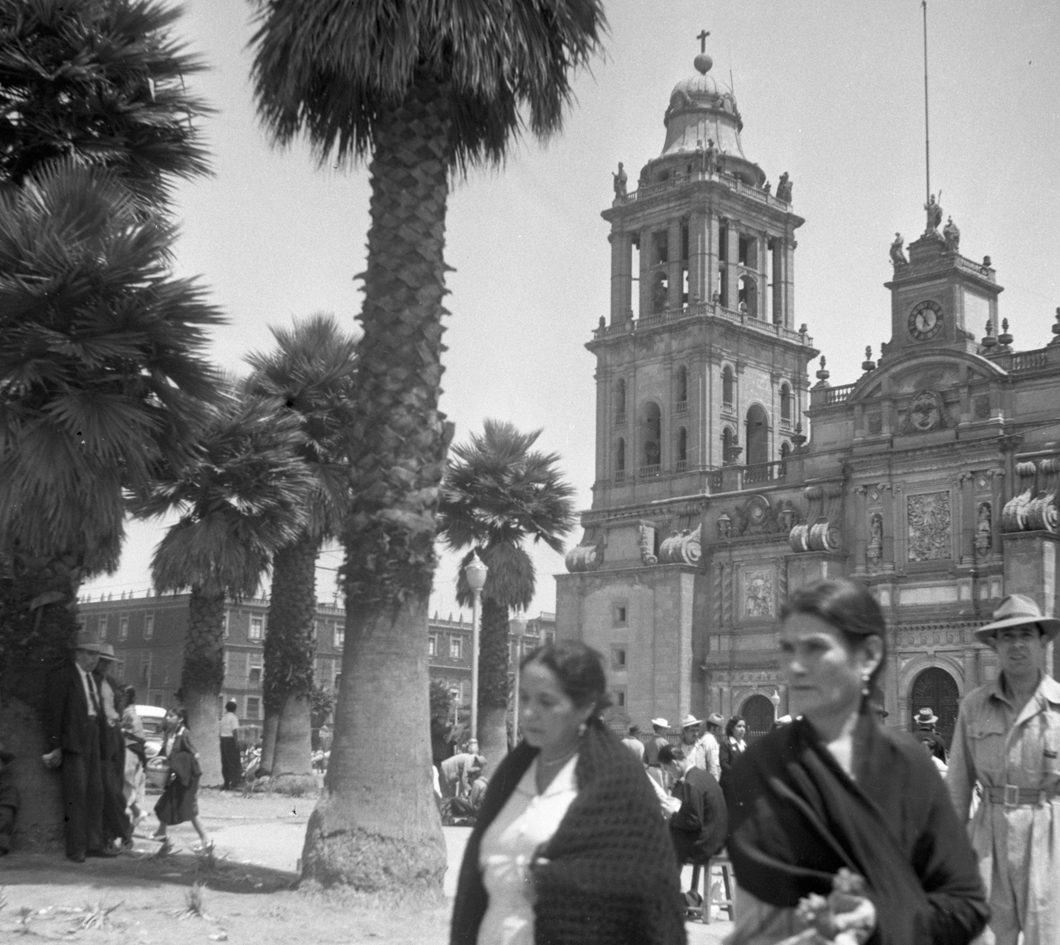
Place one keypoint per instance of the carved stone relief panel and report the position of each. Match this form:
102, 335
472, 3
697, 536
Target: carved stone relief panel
759, 593
874, 549
930, 526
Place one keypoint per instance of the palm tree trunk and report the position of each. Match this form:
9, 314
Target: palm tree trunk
376, 826
290, 647
35, 637
493, 659
202, 678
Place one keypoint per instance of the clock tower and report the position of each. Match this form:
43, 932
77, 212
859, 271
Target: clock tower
939, 298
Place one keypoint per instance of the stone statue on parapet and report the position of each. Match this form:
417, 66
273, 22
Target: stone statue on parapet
951, 235
710, 157
784, 188
934, 213
620, 181
898, 250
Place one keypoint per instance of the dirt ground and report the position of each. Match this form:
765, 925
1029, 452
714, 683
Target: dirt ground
246, 893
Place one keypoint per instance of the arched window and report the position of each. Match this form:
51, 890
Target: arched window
620, 400
757, 438
681, 450
650, 433
681, 385
748, 297
728, 441
620, 459
727, 386
785, 403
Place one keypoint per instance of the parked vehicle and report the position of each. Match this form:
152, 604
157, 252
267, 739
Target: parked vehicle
157, 770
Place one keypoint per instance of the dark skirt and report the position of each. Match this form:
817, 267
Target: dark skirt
178, 802
231, 763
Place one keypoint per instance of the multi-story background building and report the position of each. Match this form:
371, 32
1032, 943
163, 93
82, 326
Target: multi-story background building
148, 636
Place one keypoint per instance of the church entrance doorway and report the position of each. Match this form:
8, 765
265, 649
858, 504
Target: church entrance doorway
935, 689
759, 715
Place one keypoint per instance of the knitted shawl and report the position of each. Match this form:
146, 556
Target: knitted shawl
609, 874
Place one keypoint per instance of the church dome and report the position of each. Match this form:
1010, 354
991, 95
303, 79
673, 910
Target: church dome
702, 110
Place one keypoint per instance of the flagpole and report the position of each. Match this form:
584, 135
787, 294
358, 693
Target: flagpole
927, 135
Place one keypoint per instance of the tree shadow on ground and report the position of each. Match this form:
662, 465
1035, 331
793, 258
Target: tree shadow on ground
138, 871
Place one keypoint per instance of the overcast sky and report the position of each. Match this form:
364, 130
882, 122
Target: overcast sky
831, 93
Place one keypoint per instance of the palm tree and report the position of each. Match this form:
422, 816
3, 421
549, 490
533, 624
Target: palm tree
426, 90
497, 494
244, 499
101, 381
311, 372
100, 82
101, 365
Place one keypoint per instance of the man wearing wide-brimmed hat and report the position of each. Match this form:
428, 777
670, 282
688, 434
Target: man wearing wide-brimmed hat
659, 727
925, 721
72, 716
1008, 739
117, 825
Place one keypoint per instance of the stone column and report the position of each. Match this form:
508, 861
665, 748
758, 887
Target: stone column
621, 276
674, 266
713, 283
645, 273
776, 301
762, 267
788, 249
698, 258
732, 282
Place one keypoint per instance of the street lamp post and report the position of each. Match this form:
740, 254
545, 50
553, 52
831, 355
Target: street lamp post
475, 572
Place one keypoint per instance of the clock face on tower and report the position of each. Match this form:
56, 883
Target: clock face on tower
925, 320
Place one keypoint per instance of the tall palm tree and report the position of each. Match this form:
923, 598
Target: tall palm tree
100, 82
497, 494
102, 378
244, 499
425, 89
100, 348
311, 373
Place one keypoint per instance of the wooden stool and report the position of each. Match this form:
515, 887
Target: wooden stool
728, 888
728, 885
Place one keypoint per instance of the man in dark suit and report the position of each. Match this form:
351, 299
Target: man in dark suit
116, 823
699, 827
72, 716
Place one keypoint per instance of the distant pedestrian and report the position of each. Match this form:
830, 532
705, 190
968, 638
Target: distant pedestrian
135, 758
733, 746
699, 826
180, 797
925, 733
690, 743
231, 762
633, 742
117, 827
659, 727
458, 773
1008, 741
711, 742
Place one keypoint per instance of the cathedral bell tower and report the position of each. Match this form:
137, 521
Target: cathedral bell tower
700, 365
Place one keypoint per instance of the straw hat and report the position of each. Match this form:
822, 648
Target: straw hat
926, 717
1017, 610
660, 722
717, 720
689, 721
106, 652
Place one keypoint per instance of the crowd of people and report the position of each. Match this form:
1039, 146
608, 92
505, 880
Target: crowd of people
839, 828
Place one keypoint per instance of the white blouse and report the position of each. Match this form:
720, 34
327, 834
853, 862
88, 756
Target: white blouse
526, 821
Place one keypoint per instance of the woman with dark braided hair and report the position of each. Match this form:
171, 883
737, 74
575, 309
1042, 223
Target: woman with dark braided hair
569, 847
840, 829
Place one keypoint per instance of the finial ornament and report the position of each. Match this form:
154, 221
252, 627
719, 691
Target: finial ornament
702, 37
988, 339
1004, 338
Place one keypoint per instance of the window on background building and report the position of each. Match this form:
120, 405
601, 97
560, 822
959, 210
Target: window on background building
254, 675
432, 646
257, 628
338, 681
618, 657
619, 695
119, 672
149, 625
618, 616
727, 386
123, 627
145, 674
253, 707
340, 635
82, 623
104, 626
550, 636
455, 648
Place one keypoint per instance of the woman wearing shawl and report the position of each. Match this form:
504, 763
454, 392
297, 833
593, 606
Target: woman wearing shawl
835, 806
569, 847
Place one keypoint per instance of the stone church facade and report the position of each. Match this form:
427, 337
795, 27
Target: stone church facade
934, 478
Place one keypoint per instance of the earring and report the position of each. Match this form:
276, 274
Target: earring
865, 684
582, 729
